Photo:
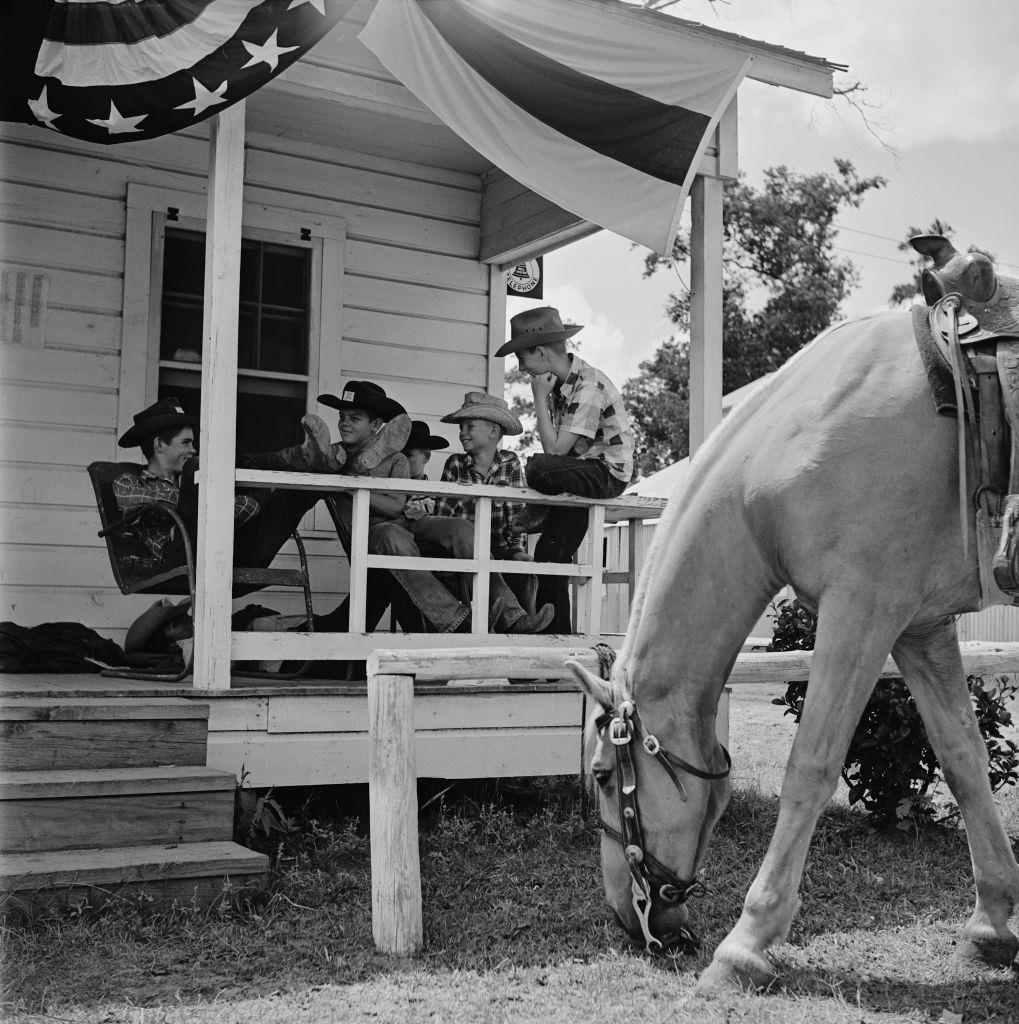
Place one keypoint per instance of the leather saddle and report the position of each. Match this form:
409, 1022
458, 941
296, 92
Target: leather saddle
975, 311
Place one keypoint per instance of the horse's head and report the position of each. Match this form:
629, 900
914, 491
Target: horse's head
657, 811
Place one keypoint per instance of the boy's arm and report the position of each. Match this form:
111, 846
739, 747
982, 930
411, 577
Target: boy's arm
445, 504
553, 442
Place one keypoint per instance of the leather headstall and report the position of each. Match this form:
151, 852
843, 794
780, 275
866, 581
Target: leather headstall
650, 878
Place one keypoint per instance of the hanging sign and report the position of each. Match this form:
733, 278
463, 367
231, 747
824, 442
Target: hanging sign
525, 279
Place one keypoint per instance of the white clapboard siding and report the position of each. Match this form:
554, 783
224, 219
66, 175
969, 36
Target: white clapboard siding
415, 317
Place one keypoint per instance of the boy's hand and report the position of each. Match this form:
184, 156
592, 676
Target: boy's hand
541, 386
522, 556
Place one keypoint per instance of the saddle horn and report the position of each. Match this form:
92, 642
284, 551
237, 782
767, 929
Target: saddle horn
969, 274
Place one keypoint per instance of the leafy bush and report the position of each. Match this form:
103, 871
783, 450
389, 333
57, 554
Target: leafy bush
890, 767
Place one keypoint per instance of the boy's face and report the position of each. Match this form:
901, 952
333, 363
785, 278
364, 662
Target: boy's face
533, 361
171, 457
418, 459
478, 436
356, 426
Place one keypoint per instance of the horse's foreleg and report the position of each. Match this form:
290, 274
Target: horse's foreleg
932, 667
851, 648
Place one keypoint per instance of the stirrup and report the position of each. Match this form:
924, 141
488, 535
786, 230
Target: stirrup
1005, 564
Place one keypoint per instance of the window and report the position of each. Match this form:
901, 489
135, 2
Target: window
273, 335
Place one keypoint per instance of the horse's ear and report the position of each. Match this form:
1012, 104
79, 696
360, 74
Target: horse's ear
597, 689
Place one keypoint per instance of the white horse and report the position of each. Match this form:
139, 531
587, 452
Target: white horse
836, 477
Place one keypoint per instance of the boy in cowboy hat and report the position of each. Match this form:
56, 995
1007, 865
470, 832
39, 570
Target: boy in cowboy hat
585, 438
418, 449
484, 420
166, 436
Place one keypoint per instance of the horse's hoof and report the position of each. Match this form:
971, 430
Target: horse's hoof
989, 950
749, 973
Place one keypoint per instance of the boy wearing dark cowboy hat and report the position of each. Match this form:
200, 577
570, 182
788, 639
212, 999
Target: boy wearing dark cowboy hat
587, 445
418, 449
166, 436
483, 420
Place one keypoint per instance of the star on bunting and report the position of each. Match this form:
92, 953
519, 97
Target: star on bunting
41, 110
319, 5
116, 123
204, 98
270, 51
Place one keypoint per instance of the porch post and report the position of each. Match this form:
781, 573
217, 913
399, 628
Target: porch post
705, 309
218, 435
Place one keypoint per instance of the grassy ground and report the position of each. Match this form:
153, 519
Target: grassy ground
517, 928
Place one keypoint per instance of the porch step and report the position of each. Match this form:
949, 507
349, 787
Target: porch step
44, 734
196, 871
80, 809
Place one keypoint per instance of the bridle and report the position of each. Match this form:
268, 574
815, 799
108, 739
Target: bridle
648, 875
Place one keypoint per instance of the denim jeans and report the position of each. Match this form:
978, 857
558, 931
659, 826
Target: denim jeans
564, 529
452, 537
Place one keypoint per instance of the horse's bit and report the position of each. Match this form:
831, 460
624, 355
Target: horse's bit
647, 874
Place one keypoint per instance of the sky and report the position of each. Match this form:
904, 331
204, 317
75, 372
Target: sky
945, 77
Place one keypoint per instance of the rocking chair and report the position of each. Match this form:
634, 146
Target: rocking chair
133, 572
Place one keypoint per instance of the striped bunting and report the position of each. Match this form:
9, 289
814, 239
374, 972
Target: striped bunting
602, 116
118, 70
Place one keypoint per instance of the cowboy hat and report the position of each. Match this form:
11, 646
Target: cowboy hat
366, 396
165, 414
479, 406
151, 622
540, 326
421, 437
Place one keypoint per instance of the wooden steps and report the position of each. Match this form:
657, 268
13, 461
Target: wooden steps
101, 797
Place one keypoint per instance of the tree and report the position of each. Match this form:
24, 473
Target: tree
783, 284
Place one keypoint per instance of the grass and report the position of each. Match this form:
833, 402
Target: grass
517, 928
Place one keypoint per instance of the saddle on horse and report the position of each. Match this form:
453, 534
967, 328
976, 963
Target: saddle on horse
973, 319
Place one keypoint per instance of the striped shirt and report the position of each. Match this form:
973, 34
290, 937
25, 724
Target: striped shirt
589, 404
131, 490
505, 470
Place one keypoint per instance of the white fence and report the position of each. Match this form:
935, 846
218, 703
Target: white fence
997, 624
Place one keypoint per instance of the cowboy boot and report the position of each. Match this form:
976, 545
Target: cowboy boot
315, 455
388, 441
1004, 564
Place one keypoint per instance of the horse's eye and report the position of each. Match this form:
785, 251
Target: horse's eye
602, 776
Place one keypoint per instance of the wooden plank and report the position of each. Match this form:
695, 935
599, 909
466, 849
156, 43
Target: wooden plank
60, 785
395, 263
215, 541
92, 215
441, 304
79, 289
48, 525
54, 246
44, 366
408, 331
517, 662
508, 709
82, 330
70, 406
44, 746
116, 865
47, 709
91, 822
239, 714
373, 360
392, 797
316, 759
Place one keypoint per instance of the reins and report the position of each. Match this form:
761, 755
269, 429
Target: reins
649, 877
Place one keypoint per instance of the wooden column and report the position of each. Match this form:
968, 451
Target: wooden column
218, 435
393, 815
483, 554
705, 309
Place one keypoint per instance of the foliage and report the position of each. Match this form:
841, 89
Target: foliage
259, 820
783, 284
890, 767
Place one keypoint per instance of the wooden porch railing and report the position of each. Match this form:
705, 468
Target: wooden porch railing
357, 644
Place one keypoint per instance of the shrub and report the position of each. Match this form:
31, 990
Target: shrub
890, 767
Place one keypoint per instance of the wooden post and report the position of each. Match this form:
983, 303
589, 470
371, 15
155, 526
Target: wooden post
218, 436
359, 560
705, 309
393, 815
483, 554
589, 596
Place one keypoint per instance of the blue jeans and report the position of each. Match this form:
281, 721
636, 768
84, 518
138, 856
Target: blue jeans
565, 528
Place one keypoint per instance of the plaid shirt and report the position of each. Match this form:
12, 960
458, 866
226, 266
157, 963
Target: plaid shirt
587, 403
134, 489
505, 470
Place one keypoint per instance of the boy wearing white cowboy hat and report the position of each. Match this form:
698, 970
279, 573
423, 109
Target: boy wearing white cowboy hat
585, 437
484, 420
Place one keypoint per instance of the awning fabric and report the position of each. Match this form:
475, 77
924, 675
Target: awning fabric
603, 117
119, 70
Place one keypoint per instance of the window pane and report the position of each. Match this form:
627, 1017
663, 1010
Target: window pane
284, 277
180, 336
249, 271
246, 338
184, 262
283, 347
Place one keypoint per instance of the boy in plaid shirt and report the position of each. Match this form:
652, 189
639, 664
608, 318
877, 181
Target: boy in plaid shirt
585, 437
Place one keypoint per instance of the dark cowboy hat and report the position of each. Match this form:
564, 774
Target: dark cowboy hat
540, 326
166, 414
151, 621
421, 437
366, 396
